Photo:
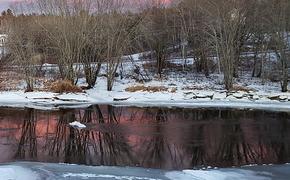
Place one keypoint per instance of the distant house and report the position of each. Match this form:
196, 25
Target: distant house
3, 40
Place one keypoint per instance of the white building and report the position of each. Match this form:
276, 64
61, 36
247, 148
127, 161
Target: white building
3, 40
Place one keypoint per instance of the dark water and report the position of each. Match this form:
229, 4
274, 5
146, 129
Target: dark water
146, 137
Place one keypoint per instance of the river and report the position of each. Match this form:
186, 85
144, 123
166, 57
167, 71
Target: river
167, 139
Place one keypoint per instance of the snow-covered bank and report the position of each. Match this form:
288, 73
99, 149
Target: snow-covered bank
35, 171
180, 98
197, 92
13, 172
219, 175
179, 89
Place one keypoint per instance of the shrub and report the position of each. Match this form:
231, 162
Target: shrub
146, 88
173, 90
242, 88
64, 86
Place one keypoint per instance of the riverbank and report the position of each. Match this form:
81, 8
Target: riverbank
34, 171
154, 93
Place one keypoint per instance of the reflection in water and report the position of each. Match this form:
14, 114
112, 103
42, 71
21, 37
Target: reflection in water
233, 147
27, 147
147, 137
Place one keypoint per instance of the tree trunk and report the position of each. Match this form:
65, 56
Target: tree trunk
255, 62
204, 62
159, 63
91, 75
184, 56
284, 82
228, 82
228, 72
109, 84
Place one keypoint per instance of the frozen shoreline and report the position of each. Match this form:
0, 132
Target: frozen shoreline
193, 99
183, 90
34, 170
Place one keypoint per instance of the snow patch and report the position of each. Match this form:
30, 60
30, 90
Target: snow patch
77, 124
86, 176
217, 174
17, 173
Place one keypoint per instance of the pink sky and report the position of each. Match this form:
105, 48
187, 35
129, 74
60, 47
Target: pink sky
4, 4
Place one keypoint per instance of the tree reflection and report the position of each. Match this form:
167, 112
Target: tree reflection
274, 138
90, 146
27, 147
56, 147
234, 149
113, 147
157, 150
282, 146
154, 148
154, 137
198, 151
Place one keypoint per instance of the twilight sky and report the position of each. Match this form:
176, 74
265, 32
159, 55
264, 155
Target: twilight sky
4, 4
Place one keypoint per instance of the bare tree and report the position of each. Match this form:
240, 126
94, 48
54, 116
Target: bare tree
279, 22
184, 14
23, 44
66, 26
193, 34
258, 36
93, 51
156, 31
226, 17
118, 31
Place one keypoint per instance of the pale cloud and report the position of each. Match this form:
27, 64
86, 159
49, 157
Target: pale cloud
5, 4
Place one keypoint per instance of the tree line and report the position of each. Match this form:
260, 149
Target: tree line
100, 33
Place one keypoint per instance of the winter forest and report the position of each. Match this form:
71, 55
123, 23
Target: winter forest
145, 89
226, 41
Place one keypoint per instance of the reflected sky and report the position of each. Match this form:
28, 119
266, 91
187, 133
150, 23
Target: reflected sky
146, 137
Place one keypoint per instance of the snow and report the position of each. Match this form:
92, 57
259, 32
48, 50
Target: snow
283, 98
215, 175
189, 61
35, 171
271, 56
270, 99
86, 176
77, 124
239, 95
12, 172
184, 90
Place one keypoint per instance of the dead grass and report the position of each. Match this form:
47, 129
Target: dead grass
173, 90
64, 86
10, 80
242, 88
190, 88
146, 88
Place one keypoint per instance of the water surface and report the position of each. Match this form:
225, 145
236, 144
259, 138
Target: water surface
163, 138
